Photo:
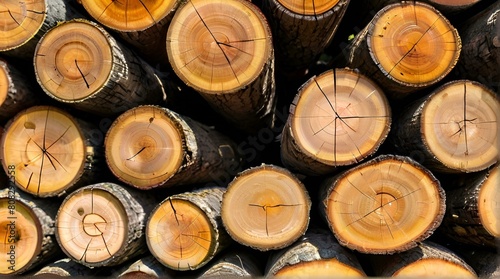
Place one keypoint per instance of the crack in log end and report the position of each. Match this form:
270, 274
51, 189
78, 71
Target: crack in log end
265, 207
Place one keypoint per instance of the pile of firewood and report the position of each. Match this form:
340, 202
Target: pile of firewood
208, 138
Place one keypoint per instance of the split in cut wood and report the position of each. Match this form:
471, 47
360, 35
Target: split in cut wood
337, 119
413, 43
73, 61
459, 126
385, 205
266, 208
184, 232
218, 46
47, 148
144, 147
20, 21
91, 226
135, 15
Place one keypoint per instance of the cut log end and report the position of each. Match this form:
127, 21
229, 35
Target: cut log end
21, 236
455, 3
451, 132
47, 148
434, 267
266, 208
144, 147
73, 60
489, 203
20, 21
4, 83
340, 118
91, 226
320, 268
180, 235
135, 15
413, 44
308, 7
212, 52
384, 206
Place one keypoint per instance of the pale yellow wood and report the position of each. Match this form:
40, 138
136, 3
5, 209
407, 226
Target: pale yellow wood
92, 226
218, 46
463, 134
266, 208
4, 85
47, 148
144, 147
433, 268
73, 61
488, 204
328, 268
20, 20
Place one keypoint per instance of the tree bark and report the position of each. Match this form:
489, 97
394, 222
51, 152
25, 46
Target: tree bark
16, 91
103, 224
428, 259
485, 262
145, 267
453, 129
266, 208
139, 141
53, 152
404, 54
337, 119
302, 31
317, 253
25, 22
234, 263
64, 268
80, 64
230, 65
481, 48
184, 232
383, 206
472, 209
27, 224
143, 25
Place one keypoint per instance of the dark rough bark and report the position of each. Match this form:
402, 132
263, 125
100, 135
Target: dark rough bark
486, 263
137, 205
56, 11
462, 221
388, 266
21, 93
481, 47
44, 212
252, 107
315, 245
64, 268
234, 263
208, 155
132, 81
145, 267
299, 39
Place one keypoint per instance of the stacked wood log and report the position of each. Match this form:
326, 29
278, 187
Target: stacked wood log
384, 164
231, 65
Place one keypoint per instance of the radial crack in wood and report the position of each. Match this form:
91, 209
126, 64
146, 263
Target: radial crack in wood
52, 151
184, 232
337, 118
223, 50
151, 146
407, 46
266, 208
79, 63
454, 129
103, 224
383, 206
